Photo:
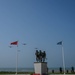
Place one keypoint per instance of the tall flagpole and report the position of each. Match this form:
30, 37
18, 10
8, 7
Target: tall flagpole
17, 59
16, 43
63, 58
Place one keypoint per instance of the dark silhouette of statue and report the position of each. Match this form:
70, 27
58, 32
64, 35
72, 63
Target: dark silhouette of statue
40, 56
37, 55
43, 56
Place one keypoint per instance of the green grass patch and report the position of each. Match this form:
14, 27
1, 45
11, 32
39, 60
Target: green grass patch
4, 72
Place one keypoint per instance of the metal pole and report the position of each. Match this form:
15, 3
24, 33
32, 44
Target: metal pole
63, 58
16, 59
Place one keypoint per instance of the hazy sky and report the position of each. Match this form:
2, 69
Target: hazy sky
40, 24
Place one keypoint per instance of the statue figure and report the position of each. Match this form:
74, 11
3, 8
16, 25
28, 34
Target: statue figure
40, 56
43, 56
37, 55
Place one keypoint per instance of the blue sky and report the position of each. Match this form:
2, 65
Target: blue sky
38, 23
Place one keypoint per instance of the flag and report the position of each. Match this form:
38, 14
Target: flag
59, 43
14, 43
24, 43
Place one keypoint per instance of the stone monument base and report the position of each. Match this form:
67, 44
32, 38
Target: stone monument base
41, 68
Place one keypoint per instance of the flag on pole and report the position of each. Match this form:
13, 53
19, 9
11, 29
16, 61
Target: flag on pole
59, 43
24, 43
14, 43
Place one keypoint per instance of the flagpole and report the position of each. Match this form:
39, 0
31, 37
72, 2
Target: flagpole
16, 59
16, 43
63, 58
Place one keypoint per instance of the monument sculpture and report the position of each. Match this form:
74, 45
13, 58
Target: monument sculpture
40, 56
40, 66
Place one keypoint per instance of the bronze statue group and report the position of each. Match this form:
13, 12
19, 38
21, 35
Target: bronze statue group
40, 56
